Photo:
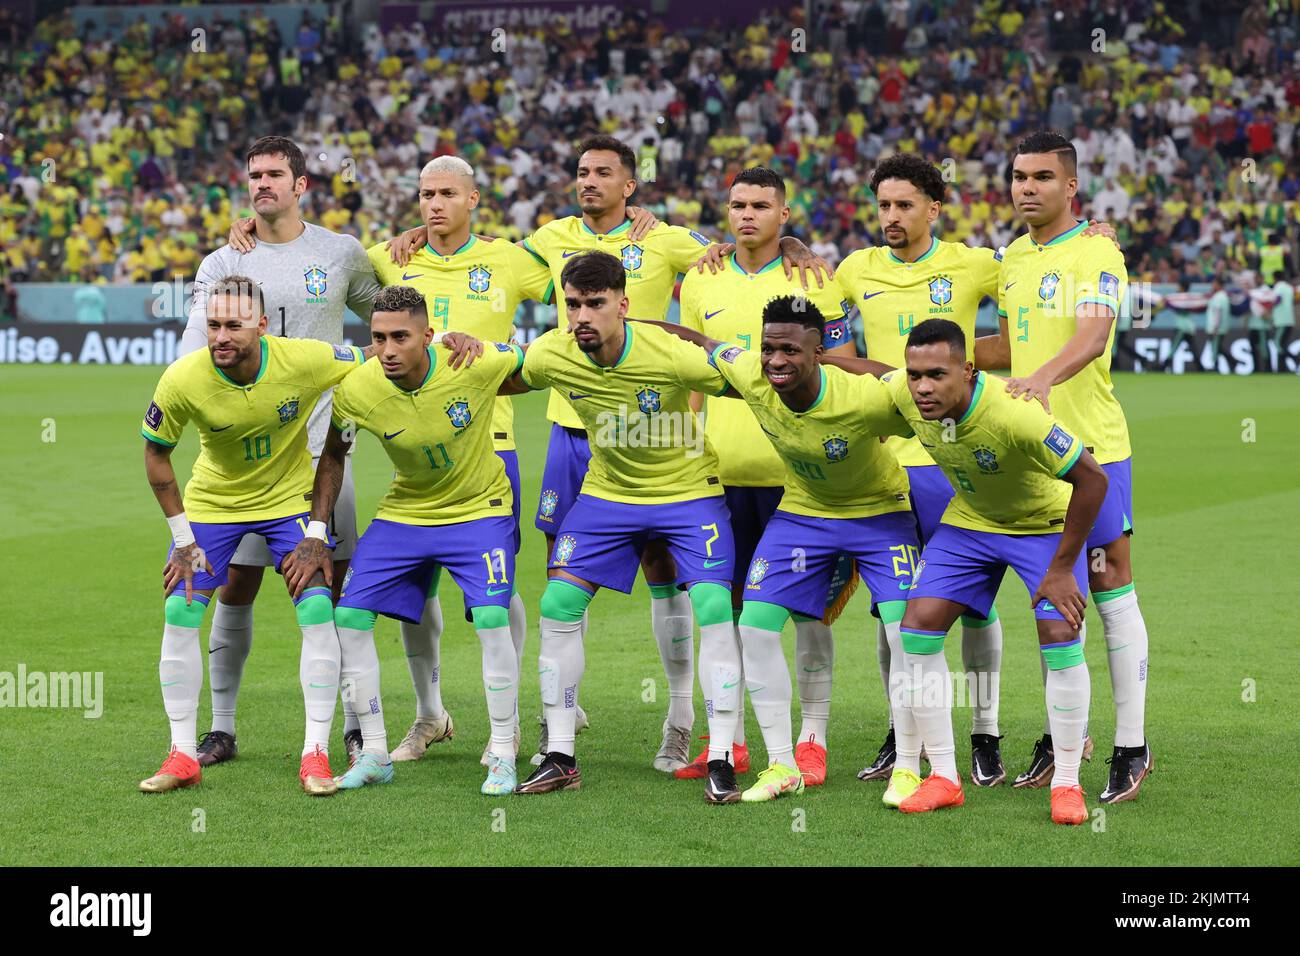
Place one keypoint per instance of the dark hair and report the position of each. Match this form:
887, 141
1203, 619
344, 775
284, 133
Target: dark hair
610, 144
794, 309
917, 170
240, 285
938, 330
760, 176
1050, 141
401, 298
594, 272
279, 146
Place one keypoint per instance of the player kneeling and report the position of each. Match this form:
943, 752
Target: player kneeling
1026, 494
249, 395
449, 506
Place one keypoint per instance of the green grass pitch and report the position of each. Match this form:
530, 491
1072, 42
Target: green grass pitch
1216, 560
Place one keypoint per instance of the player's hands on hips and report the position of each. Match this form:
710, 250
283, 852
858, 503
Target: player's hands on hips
401, 248
801, 257
715, 257
1062, 590
1033, 386
464, 348
182, 564
643, 220
1096, 228
302, 563
243, 235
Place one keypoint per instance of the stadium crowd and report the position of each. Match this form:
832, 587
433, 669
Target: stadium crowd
121, 158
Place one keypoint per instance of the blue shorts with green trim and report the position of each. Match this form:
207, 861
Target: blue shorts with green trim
1116, 515
967, 567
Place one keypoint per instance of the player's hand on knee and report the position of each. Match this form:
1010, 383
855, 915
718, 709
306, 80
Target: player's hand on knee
182, 565
242, 236
643, 220
715, 257
303, 563
464, 348
401, 248
1061, 589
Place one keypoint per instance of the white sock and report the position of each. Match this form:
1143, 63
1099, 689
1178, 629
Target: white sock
559, 670
672, 620
768, 680
928, 692
981, 656
180, 672
518, 637
318, 673
1068, 696
1126, 652
360, 669
814, 663
883, 656
1042, 666
501, 685
229, 641
907, 733
721, 679
739, 735
422, 659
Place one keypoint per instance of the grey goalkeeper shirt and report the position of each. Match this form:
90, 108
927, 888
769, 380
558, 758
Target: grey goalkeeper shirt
305, 285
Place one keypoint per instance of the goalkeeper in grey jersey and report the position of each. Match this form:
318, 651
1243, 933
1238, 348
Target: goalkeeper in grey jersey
307, 275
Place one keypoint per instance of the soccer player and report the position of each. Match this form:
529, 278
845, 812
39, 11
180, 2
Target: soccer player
1026, 494
307, 275
449, 506
652, 476
1064, 292
845, 493
727, 306
471, 283
249, 396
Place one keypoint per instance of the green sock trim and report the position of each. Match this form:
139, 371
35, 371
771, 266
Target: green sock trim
177, 612
711, 602
661, 591
564, 601
922, 643
891, 612
355, 618
1099, 597
764, 616
1059, 658
970, 620
314, 609
488, 616
434, 582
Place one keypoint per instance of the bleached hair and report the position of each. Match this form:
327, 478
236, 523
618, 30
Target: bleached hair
448, 164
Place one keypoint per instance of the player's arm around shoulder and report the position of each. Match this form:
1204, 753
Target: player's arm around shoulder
363, 278
993, 351
532, 374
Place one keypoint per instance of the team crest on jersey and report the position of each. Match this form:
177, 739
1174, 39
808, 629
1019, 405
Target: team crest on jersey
941, 290
317, 280
288, 410
632, 257
837, 448
986, 459
480, 278
550, 501
648, 400
757, 571
564, 549
916, 573
458, 411
1047, 288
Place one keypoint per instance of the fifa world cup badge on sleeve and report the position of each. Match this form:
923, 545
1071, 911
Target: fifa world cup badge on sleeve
343, 353
154, 416
1058, 440
1108, 285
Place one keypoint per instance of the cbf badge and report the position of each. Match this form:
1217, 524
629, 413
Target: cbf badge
458, 412
564, 549
317, 281
757, 571
550, 501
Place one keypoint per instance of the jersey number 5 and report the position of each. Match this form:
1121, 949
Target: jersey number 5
1022, 324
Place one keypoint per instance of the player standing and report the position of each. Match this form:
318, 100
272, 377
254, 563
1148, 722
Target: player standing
449, 506
307, 275
652, 476
727, 306
1063, 291
249, 395
1003, 458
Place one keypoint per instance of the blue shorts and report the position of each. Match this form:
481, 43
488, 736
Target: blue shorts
751, 509
601, 541
967, 567
219, 542
394, 564
511, 460
1116, 515
931, 493
567, 457
795, 562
